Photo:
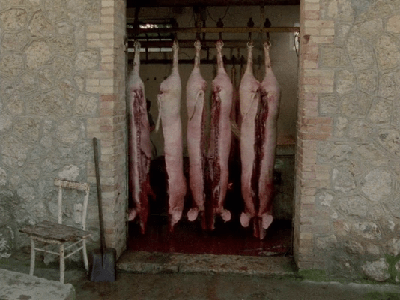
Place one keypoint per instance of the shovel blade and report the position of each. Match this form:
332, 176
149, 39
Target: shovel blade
102, 267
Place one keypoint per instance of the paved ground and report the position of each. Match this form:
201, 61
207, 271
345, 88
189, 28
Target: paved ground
206, 286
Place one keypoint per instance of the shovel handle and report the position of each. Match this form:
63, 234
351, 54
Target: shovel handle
99, 199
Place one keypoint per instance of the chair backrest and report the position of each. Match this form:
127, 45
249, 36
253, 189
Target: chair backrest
80, 186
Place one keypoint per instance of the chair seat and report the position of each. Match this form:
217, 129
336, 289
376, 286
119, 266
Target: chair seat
54, 231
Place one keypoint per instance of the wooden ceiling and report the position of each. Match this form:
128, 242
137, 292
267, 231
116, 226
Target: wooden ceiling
188, 3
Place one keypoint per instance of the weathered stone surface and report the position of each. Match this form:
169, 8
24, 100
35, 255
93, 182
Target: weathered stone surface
367, 81
15, 41
377, 270
367, 230
45, 78
32, 171
371, 154
69, 93
334, 152
394, 247
70, 172
341, 125
393, 24
27, 129
377, 185
345, 81
373, 249
341, 33
360, 130
369, 30
48, 104
37, 54
328, 104
346, 12
68, 131
55, 10
6, 241
5, 122
326, 242
324, 198
15, 105
40, 26
380, 112
354, 247
389, 139
353, 206
80, 82
341, 227
86, 105
332, 56
361, 53
387, 52
3, 177
388, 85
11, 64
13, 152
26, 192
13, 19
65, 28
46, 141
356, 104
63, 45
343, 179
87, 60
63, 67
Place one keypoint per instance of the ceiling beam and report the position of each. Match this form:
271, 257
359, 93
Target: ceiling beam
189, 3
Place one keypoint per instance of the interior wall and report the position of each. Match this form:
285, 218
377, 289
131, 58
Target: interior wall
283, 57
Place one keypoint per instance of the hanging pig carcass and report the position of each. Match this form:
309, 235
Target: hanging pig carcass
249, 105
139, 145
268, 134
195, 91
220, 138
169, 105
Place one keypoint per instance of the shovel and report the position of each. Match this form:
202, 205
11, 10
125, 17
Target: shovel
102, 262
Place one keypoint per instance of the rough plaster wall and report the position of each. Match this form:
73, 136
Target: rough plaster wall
349, 221
45, 103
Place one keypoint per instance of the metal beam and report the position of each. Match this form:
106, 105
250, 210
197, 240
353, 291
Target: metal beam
133, 31
189, 3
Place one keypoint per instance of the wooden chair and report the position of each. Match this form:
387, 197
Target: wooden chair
58, 233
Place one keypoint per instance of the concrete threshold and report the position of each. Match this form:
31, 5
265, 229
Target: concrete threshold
157, 262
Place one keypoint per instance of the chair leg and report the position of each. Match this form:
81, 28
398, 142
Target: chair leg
84, 253
32, 269
62, 266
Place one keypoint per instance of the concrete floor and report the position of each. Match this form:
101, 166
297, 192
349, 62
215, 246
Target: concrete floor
195, 286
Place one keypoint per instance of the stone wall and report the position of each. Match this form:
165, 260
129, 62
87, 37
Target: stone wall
62, 82
348, 154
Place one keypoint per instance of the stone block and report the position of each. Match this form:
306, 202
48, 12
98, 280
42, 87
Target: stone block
13, 19
38, 54
14, 285
355, 104
388, 53
377, 270
352, 206
15, 41
393, 24
11, 64
345, 81
389, 140
367, 230
361, 53
343, 179
40, 26
367, 80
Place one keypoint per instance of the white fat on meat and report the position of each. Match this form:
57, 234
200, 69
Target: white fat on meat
195, 91
140, 144
220, 134
169, 104
249, 101
270, 96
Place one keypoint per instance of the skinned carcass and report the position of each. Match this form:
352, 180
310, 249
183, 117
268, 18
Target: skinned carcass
195, 90
169, 105
268, 134
139, 145
249, 102
220, 138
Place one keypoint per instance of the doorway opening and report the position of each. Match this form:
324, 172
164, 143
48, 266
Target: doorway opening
227, 237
